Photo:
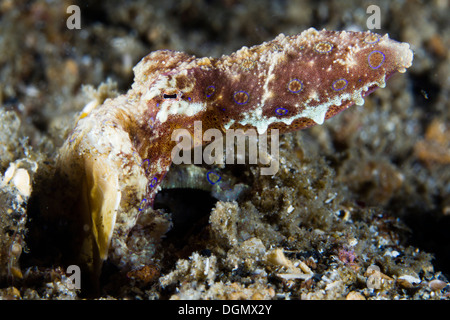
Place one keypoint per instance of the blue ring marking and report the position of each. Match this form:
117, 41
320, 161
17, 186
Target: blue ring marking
212, 93
148, 165
209, 180
377, 39
381, 63
241, 103
301, 86
324, 43
281, 114
140, 204
334, 83
151, 184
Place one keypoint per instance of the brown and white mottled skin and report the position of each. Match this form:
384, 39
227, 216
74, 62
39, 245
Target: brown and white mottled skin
120, 151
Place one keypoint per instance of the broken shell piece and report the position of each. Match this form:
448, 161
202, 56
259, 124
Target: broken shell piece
437, 285
19, 178
9, 173
104, 200
294, 276
295, 271
353, 295
407, 281
410, 279
21, 181
277, 257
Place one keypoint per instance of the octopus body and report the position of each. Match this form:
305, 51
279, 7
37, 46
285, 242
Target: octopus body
120, 151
